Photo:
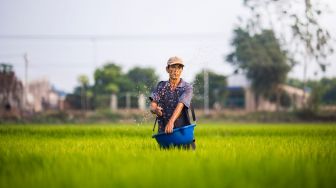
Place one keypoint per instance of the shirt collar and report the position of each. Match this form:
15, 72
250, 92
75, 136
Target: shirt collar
181, 84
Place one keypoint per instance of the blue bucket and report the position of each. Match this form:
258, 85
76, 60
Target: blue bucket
180, 136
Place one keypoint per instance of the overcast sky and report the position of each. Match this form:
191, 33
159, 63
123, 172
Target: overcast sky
66, 38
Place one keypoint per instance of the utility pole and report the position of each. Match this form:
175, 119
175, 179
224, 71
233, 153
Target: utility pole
305, 68
206, 92
94, 62
128, 100
94, 51
26, 89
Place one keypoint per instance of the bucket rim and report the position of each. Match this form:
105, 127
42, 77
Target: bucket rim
174, 130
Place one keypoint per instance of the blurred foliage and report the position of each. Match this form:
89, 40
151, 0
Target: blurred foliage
329, 96
299, 27
262, 58
74, 101
315, 98
323, 91
217, 89
109, 79
83, 80
143, 79
85, 93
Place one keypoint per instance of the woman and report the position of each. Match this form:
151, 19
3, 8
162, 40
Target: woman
171, 99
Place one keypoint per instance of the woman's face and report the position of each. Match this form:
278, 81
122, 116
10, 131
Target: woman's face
174, 71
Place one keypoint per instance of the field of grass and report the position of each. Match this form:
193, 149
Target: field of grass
228, 155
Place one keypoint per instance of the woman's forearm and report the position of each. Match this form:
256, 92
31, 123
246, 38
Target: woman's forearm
177, 112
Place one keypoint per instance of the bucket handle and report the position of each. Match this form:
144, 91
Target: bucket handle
156, 118
193, 113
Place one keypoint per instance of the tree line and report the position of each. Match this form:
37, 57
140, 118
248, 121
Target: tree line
110, 79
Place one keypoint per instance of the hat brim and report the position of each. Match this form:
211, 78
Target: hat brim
177, 63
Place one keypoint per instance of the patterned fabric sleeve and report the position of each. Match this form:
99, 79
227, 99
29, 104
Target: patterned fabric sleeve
186, 95
155, 95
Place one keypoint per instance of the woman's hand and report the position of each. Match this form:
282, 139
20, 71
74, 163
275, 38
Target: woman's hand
169, 127
157, 110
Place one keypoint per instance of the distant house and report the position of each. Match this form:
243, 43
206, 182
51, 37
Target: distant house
241, 96
11, 92
42, 96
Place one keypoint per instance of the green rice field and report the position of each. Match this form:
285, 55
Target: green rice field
227, 155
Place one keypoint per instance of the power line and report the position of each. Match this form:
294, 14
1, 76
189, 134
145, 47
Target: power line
54, 68
54, 63
110, 37
17, 55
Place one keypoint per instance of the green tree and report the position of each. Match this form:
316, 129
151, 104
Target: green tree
294, 82
262, 59
74, 99
217, 88
322, 92
316, 95
84, 82
108, 79
329, 96
297, 23
143, 79
82, 95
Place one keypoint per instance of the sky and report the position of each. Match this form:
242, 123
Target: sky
66, 38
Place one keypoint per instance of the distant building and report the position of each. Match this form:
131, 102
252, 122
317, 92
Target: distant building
11, 92
42, 96
241, 96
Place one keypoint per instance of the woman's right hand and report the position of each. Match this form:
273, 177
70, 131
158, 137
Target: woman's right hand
158, 111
